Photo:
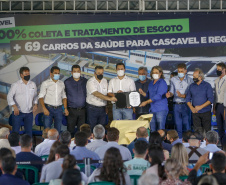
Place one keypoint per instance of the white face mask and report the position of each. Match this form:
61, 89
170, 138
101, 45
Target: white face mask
76, 75
155, 76
120, 72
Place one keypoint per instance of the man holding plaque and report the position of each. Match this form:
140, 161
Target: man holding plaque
121, 84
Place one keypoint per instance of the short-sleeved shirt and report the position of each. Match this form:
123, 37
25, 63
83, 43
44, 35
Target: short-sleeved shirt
44, 147
92, 86
136, 166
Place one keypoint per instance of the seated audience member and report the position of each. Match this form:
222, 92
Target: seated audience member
141, 135
208, 180
137, 165
9, 169
113, 137
68, 163
201, 133
173, 169
180, 153
112, 169
4, 133
165, 143
14, 141
98, 133
217, 165
44, 147
155, 138
53, 170
65, 138
173, 137
194, 150
81, 152
87, 129
72, 176
156, 158
26, 155
148, 179
212, 141
185, 137
52, 153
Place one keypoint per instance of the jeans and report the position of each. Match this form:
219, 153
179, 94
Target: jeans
202, 121
158, 120
96, 115
181, 115
27, 118
57, 115
122, 114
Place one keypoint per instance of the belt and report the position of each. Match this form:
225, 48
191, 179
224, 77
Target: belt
55, 107
80, 108
96, 106
179, 103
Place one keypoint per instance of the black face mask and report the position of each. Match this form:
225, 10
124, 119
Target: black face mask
219, 73
100, 77
196, 80
27, 78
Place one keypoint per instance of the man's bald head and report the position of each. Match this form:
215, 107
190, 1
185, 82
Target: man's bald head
53, 134
142, 132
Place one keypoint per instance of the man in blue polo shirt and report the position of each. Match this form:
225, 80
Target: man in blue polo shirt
199, 99
75, 88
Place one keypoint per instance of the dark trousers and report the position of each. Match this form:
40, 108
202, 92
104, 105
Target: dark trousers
202, 120
220, 119
76, 117
96, 115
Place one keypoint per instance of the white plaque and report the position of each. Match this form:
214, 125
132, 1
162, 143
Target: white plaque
134, 99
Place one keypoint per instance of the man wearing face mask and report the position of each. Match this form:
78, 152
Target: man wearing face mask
97, 98
75, 88
199, 99
23, 99
178, 88
52, 93
220, 89
142, 83
119, 84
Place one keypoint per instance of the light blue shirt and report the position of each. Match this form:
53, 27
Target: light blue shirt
181, 86
82, 152
212, 148
136, 166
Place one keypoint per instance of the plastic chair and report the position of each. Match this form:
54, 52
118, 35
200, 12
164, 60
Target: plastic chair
183, 178
134, 179
39, 121
45, 157
41, 183
204, 167
82, 166
27, 168
102, 183
64, 120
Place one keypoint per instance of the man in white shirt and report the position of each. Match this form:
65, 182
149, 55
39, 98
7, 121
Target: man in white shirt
120, 84
51, 94
220, 89
23, 99
97, 98
113, 137
99, 133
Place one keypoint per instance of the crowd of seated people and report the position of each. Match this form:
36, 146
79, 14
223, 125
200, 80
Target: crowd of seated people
161, 158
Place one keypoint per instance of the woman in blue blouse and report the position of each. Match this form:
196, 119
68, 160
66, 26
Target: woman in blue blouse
156, 93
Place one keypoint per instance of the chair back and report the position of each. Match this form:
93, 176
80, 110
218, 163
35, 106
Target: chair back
26, 168
45, 157
102, 183
39, 119
134, 179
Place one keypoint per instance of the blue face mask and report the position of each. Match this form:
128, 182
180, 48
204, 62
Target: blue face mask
142, 77
180, 75
56, 77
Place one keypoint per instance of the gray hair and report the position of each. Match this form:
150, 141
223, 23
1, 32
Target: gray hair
201, 74
143, 68
212, 136
4, 132
148, 179
98, 131
208, 179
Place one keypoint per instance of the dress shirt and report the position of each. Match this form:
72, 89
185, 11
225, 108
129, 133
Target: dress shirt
44, 148
126, 85
212, 148
144, 87
131, 145
125, 153
157, 93
199, 94
82, 152
176, 141
40, 145
11, 179
220, 89
92, 86
52, 92
4, 143
76, 92
23, 96
95, 144
136, 166
181, 86
17, 149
